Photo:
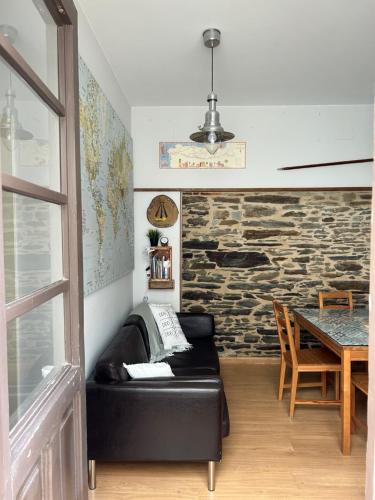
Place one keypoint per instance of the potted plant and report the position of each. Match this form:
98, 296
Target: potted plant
154, 236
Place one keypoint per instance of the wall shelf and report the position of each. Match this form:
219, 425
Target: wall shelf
161, 268
161, 284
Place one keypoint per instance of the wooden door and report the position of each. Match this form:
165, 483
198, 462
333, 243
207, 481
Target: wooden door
42, 405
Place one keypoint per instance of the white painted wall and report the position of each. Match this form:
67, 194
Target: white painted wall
276, 136
91, 52
140, 286
107, 308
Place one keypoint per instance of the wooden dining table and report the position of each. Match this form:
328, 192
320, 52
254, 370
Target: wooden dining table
345, 332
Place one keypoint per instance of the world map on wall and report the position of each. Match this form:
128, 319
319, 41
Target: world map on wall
107, 187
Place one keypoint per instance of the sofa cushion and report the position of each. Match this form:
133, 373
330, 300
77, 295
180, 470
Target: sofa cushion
197, 325
126, 347
169, 328
136, 320
202, 359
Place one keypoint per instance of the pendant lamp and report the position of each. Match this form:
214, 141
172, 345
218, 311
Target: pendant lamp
11, 129
212, 134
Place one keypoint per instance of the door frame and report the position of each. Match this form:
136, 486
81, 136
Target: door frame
370, 457
19, 446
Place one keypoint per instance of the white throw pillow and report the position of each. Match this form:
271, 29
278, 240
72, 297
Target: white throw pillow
149, 370
169, 327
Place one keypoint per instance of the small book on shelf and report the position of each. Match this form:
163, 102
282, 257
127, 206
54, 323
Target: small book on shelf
160, 268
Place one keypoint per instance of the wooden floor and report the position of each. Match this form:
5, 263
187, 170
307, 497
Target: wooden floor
266, 456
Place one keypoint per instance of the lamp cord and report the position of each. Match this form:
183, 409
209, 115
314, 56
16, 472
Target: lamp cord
212, 69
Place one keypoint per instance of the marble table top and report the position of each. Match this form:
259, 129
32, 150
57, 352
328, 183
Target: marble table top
345, 327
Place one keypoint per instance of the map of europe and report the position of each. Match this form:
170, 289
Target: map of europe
107, 187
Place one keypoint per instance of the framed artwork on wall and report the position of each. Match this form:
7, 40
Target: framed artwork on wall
185, 155
162, 211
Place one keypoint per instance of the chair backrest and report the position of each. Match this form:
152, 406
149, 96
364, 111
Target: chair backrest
284, 330
360, 380
348, 296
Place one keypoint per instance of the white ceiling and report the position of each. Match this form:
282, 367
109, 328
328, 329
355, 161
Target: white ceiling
272, 51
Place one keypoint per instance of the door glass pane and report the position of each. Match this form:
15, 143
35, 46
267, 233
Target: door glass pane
29, 133
29, 26
36, 351
32, 244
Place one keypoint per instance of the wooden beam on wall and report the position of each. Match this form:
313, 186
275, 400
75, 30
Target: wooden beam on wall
327, 164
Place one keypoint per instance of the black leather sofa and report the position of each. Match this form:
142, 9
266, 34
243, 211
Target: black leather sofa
183, 418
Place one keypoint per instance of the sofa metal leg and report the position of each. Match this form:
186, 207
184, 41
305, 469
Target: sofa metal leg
211, 475
92, 474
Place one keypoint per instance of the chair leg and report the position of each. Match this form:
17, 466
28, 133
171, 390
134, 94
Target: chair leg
282, 377
324, 384
211, 475
92, 474
293, 392
352, 410
337, 386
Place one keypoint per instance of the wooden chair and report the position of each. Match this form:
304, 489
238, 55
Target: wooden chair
335, 295
360, 382
303, 361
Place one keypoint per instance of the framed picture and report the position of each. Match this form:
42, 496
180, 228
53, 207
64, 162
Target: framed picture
183, 155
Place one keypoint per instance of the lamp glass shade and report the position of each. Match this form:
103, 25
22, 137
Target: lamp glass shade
11, 129
212, 147
213, 143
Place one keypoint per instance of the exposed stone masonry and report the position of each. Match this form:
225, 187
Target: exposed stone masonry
241, 250
28, 264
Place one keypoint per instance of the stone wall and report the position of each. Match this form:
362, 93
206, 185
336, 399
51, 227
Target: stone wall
242, 250
28, 267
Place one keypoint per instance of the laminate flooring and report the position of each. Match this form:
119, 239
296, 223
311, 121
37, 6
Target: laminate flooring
266, 456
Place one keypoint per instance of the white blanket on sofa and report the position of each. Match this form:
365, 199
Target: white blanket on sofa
158, 350
149, 370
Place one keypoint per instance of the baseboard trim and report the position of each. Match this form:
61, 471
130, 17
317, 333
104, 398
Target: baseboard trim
247, 190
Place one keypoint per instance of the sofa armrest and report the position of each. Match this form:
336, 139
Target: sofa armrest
172, 419
197, 325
